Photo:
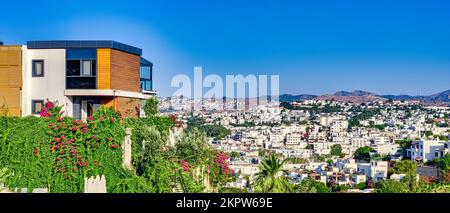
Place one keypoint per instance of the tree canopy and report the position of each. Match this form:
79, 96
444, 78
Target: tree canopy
151, 107
336, 150
363, 153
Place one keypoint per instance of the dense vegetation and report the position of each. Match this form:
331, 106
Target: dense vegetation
363, 153
211, 130
336, 150
151, 107
410, 183
405, 144
363, 114
57, 152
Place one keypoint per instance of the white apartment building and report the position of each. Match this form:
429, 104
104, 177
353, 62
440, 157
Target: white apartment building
246, 169
357, 179
377, 170
426, 150
323, 148
339, 126
381, 140
347, 165
276, 138
387, 149
293, 139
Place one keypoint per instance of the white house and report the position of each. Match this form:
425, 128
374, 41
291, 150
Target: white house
377, 170
426, 150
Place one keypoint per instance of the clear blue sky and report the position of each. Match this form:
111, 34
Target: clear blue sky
387, 47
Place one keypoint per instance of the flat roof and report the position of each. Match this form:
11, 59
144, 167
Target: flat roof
64, 44
146, 62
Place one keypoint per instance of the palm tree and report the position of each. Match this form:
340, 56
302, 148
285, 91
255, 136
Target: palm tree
271, 178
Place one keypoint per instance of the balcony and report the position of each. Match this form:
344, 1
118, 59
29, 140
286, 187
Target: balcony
81, 82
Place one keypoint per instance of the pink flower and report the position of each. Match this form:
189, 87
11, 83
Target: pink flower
44, 112
84, 130
185, 165
49, 104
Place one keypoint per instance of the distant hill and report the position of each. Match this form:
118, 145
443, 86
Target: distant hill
405, 97
443, 96
354, 93
359, 96
439, 97
291, 98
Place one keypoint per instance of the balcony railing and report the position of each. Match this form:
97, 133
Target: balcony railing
81, 82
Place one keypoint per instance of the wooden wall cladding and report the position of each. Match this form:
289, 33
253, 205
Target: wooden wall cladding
128, 107
10, 79
108, 102
104, 68
125, 71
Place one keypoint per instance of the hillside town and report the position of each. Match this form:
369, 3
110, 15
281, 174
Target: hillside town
340, 143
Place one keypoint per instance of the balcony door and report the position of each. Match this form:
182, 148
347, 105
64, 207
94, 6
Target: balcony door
87, 108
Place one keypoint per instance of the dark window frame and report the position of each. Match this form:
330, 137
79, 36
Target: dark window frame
80, 57
33, 72
144, 81
92, 67
33, 105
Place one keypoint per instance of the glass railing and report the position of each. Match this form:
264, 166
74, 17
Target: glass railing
78, 82
146, 85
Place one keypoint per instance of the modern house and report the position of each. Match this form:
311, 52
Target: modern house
376, 170
427, 150
79, 75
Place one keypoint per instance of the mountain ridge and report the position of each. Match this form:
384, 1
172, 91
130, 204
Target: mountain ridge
364, 96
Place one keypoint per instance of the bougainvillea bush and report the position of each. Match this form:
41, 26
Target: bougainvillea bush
218, 169
58, 152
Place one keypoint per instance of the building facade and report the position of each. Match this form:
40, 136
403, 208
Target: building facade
426, 150
78, 75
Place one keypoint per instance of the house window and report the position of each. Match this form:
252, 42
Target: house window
73, 67
36, 106
38, 68
81, 74
86, 68
435, 154
80, 68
